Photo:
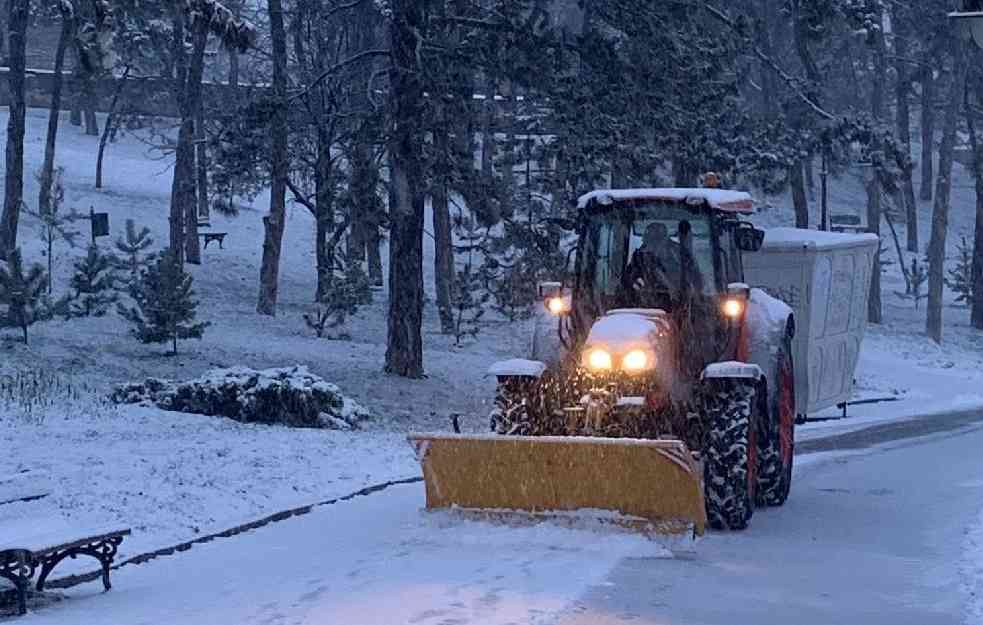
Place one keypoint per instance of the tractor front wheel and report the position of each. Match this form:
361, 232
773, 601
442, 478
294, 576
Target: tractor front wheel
510, 416
730, 452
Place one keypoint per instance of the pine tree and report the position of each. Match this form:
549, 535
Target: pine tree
23, 293
93, 283
469, 300
132, 248
165, 305
960, 278
917, 277
342, 298
55, 224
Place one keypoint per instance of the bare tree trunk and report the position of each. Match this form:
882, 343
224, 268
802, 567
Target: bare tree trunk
75, 118
796, 180
875, 186
404, 346
54, 112
274, 222
110, 129
443, 242
874, 308
928, 131
940, 212
89, 106
184, 158
201, 154
364, 239
373, 247
976, 303
492, 212
324, 217
4, 12
763, 21
13, 196
233, 68
196, 193
903, 119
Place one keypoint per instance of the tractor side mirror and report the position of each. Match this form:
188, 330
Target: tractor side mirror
749, 238
550, 289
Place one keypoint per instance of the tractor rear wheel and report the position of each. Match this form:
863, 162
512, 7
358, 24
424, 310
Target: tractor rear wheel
776, 445
729, 455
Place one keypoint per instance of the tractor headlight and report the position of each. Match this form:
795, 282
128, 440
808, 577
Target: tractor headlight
733, 307
635, 361
600, 360
556, 305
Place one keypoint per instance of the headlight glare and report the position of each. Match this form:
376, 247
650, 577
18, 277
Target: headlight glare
636, 360
600, 360
556, 305
733, 308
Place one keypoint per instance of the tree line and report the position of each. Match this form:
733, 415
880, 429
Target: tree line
499, 113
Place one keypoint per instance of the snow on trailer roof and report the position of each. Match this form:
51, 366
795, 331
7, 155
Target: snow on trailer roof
798, 238
719, 199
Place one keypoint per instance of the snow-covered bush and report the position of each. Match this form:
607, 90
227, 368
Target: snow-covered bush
289, 396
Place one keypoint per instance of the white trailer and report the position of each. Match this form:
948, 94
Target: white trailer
825, 278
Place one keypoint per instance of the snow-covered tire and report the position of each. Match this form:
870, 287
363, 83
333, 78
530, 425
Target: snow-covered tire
776, 443
729, 455
510, 416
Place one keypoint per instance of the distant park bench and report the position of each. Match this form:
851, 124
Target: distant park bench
214, 236
22, 557
846, 223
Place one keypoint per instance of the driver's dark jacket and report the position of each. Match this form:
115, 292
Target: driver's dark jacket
664, 275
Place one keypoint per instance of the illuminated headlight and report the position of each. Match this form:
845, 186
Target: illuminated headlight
600, 360
733, 308
556, 305
636, 360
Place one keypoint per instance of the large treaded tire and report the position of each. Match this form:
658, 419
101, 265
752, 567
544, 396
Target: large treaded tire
776, 444
510, 416
729, 454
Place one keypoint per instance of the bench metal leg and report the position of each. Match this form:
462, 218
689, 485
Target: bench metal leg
104, 551
19, 570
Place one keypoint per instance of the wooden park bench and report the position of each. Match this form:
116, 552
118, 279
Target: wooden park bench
847, 223
22, 557
214, 236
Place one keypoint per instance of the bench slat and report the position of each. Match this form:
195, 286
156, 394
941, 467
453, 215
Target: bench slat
48, 542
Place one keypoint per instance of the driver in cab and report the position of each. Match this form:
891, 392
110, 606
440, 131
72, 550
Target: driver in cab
661, 269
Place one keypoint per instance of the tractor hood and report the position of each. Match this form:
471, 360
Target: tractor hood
623, 330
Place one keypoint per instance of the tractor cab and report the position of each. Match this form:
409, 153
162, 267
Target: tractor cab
660, 248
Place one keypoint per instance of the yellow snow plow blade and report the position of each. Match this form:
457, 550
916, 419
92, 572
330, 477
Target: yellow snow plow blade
644, 484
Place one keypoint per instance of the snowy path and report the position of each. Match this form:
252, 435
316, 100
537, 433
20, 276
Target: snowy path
876, 537
377, 560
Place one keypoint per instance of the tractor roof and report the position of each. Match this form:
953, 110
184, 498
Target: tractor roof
717, 199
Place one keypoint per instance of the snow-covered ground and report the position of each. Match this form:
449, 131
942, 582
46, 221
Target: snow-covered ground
173, 477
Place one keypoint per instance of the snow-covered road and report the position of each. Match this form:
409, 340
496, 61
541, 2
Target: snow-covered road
376, 560
883, 536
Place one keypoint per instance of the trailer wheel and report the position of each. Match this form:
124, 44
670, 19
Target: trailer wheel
776, 445
730, 452
510, 416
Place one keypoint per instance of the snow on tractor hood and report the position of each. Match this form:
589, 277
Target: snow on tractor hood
623, 330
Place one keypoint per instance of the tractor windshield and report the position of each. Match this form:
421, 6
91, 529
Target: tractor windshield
649, 255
